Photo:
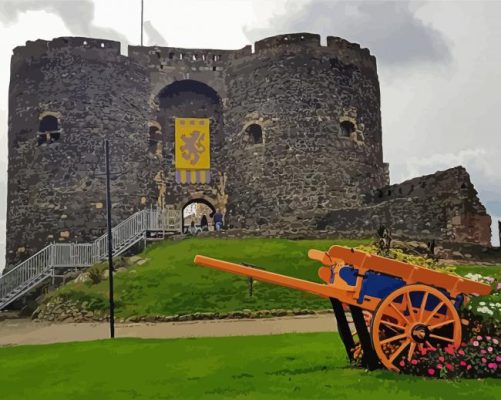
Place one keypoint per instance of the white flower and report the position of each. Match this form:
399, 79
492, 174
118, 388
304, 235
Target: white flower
482, 303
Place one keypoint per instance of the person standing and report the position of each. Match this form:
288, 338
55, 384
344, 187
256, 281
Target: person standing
204, 224
218, 220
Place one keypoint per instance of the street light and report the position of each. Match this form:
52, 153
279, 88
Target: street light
110, 238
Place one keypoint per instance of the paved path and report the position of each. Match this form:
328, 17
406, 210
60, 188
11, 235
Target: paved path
23, 331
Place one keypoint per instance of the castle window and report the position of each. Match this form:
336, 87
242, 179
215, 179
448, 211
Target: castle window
48, 130
102, 44
155, 139
194, 57
180, 56
85, 43
255, 134
171, 56
203, 57
346, 128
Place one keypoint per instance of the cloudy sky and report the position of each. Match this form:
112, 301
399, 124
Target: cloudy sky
438, 62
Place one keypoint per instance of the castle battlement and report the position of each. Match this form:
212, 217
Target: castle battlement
92, 48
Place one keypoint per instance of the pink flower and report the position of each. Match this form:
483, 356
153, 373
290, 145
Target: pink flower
431, 371
498, 287
495, 341
449, 367
462, 363
461, 352
449, 350
413, 362
484, 360
492, 365
475, 343
488, 337
489, 349
479, 337
498, 358
468, 367
401, 363
483, 351
441, 359
440, 366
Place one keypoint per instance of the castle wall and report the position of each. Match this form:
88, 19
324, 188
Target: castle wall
443, 206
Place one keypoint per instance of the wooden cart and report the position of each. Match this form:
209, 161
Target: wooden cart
412, 307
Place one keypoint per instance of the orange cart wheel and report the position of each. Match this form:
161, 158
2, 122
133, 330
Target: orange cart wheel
412, 318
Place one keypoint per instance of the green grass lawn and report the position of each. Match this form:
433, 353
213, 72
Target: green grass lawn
292, 366
171, 284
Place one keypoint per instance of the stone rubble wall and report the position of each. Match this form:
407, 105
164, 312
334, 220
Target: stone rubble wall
443, 206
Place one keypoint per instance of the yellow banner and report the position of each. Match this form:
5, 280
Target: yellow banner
192, 143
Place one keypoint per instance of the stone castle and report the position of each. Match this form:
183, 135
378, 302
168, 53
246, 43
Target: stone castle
296, 142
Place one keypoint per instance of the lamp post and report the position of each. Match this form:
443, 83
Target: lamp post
110, 239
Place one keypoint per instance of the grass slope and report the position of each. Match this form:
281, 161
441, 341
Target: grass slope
171, 284
292, 366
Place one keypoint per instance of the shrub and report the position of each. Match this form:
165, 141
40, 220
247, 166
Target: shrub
96, 272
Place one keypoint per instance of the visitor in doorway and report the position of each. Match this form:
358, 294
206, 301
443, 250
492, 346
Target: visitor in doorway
204, 224
218, 220
192, 230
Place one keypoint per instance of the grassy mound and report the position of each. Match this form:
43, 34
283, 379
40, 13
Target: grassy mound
170, 284
292, 366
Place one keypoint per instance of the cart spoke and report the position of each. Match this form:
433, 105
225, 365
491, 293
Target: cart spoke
409, 306
430, 346
423, 306
391, 324
411, 351
393, 338
442, 338
399, 350
405, 320
436, 326
435, 310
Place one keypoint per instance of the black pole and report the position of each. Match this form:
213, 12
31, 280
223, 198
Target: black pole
342, 327
110, 239
142, 15
369, 356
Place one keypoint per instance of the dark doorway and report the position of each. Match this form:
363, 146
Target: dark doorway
194, 210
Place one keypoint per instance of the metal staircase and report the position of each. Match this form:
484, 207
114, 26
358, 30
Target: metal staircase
43, 265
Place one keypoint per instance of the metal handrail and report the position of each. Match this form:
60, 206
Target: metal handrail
57, 255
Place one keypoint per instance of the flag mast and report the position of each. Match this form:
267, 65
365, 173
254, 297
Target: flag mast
142, 15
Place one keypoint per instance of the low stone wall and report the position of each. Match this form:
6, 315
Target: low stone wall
59, 310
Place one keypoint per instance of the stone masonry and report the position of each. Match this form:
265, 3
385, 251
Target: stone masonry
296, 142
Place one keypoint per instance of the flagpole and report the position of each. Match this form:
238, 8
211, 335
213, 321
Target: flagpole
142, 18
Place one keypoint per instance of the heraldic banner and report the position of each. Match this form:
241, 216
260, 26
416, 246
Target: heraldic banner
192, 150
